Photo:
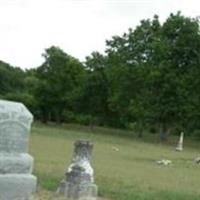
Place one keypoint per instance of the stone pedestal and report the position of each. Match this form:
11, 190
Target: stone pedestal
79, 181
16, 181
17, 186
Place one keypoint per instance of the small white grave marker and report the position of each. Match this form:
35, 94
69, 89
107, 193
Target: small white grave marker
180, 143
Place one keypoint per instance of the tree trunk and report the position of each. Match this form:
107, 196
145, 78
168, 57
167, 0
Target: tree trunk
44, 115
57, 116
140, 130
164, 133
91, 124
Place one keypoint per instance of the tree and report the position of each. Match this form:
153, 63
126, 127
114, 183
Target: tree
171, 89
131, 57
152, 70
94, 91
11, 79
59, 75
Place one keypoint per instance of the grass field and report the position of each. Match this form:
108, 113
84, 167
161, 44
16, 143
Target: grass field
127, 174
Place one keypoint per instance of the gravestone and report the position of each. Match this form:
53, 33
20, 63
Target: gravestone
16, 180
180, 143
79, 181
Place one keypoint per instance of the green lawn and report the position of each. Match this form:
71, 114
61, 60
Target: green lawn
128, 174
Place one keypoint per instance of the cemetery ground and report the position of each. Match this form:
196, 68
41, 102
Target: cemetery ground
125, 167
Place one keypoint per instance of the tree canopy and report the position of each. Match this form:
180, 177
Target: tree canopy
148, 77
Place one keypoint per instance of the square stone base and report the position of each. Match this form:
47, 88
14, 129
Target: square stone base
78, 192
87, 192
17, 186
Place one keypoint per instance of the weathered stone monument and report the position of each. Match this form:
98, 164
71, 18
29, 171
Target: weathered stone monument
180, 143
79, 181
16, 181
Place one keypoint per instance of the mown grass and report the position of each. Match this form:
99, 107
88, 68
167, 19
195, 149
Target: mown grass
125, 167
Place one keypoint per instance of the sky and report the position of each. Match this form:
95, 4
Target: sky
28, 27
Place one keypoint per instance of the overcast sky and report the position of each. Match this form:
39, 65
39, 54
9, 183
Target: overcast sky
77, 26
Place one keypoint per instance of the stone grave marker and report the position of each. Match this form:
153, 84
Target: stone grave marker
16, 180
179, 146
79, 181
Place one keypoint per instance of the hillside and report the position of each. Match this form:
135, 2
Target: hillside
125, 168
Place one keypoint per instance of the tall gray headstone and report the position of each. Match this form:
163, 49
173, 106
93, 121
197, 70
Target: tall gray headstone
79, 181
180, 143
16, 165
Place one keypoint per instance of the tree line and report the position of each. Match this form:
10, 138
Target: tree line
147, 79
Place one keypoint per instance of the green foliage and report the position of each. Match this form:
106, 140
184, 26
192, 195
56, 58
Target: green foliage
58, 76
11, 79
196, 134
93, 101
153, 68
149, 77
